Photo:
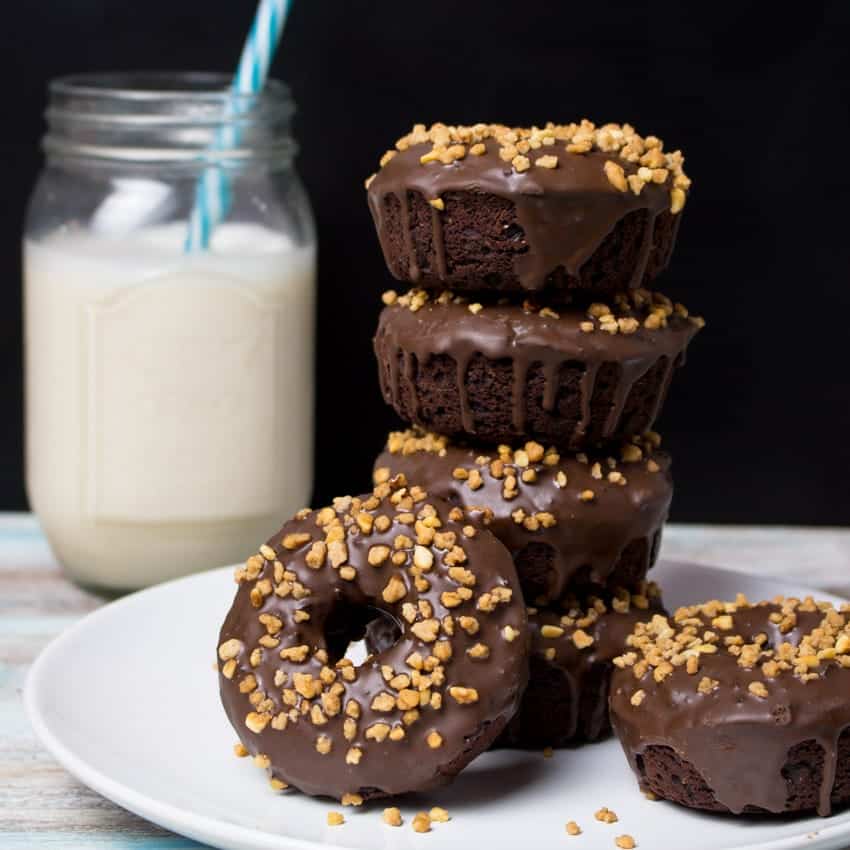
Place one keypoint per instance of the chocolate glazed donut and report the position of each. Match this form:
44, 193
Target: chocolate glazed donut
410, 717
507, 372
572, 522
476, 223
732, 707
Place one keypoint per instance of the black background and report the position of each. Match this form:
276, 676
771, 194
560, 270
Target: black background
759, 421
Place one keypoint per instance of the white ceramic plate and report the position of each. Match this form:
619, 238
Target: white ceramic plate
127, 701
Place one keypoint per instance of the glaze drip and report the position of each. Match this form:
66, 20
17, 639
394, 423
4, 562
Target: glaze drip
510, 334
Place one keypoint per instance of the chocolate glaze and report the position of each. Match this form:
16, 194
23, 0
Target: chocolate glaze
574, 680
588, 539
503, 331
565, 212
338, 610
738, 742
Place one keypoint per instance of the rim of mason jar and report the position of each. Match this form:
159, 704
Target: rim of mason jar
205, 86
208, 90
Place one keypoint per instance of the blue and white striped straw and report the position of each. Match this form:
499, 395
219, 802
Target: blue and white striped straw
212, 192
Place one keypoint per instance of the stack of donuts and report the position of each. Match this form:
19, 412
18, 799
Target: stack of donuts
497, 571
530, 360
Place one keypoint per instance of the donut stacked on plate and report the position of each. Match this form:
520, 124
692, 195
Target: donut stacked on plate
531, 358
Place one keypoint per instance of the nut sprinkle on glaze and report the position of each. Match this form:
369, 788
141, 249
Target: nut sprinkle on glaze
770, 679
534, 176
410, 717
560, 541
452, 143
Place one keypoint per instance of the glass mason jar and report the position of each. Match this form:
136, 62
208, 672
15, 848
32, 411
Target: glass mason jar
169, 392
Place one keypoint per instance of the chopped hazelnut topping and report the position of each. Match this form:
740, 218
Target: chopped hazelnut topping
625, 842
758, 689
582, 639
616, 175
434, 740
462, 695
378, 555
421, 822
295, 541
335, 819
423, 558
573, 828
392, 816
383, 702
426, 630
395, 590
439, 815
510, 633
230, 649
257, 722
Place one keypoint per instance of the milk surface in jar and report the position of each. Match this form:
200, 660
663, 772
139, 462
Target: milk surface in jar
170, 396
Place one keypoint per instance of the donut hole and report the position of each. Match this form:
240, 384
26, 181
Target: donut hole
354, 631
382, 633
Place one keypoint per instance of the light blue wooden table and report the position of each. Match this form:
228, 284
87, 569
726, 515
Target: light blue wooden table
41, 806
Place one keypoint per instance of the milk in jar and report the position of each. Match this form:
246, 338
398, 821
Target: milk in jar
169, 397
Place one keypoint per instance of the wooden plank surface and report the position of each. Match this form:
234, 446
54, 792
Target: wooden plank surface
41, 806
